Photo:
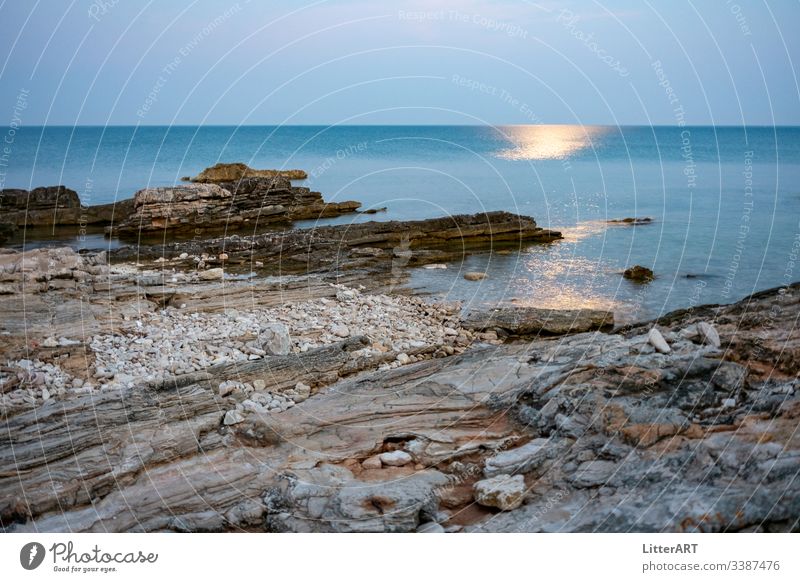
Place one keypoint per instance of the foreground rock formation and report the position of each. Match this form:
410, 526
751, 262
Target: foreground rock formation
297, 403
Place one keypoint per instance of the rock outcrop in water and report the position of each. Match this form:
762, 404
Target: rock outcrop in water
384, 249
237, 171
638, 274
226, 197
55, 206
192, 209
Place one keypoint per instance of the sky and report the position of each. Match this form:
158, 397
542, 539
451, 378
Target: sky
125, 62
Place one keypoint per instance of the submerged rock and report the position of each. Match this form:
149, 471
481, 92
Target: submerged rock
631, 220
638, 274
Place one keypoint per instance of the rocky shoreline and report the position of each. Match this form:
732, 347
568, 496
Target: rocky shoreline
289, 381
223, 198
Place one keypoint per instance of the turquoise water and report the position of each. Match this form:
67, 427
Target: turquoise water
725, 200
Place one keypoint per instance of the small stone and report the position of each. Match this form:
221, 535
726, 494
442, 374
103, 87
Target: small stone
223, 256
45, 394
227, 388
275, 339
729, 403
340, 331
232, 417
708, 334
211, 274
372, 463
346, 295
303, 391
259, 384
474, 276
403, 359
655, 339
435, 266
183, 256
395, 458
503, 492
50, 342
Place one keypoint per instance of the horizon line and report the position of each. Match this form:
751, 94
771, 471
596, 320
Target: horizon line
620, 125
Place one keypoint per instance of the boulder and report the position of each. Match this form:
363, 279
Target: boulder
474, 276
505, 492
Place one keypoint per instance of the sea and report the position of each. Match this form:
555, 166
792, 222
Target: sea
724, 201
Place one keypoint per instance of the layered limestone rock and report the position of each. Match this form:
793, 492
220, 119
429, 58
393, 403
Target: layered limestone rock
56, 206
206, 207
297, 203
388, 247
524, 321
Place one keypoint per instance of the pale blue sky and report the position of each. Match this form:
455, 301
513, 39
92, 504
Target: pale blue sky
435, 61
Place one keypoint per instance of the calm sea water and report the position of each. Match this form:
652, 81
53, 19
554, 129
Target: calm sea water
725, 201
